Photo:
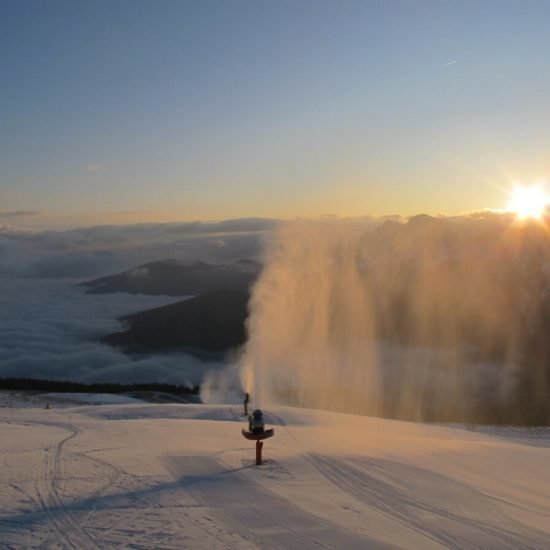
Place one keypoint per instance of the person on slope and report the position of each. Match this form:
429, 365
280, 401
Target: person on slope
256, 423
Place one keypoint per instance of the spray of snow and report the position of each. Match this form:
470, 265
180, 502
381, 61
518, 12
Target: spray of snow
423, 320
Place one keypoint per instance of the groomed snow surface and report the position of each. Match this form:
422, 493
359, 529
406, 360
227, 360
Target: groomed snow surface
182, 476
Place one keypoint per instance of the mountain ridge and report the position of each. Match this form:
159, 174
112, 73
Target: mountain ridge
177, 278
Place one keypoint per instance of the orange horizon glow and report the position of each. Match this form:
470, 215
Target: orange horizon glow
528, 201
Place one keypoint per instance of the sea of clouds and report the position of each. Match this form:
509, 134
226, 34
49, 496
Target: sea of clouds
107, 249
50, 328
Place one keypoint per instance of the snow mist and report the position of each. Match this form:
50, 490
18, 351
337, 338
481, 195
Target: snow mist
433, 319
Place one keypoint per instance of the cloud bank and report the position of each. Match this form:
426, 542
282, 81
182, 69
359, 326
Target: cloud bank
50, 330
18, 213
102, 250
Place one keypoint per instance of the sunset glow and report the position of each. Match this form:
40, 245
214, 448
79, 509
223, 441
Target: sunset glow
528, 201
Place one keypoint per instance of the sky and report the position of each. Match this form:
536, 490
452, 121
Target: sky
127, 111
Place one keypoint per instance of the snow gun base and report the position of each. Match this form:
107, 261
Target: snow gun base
259, 436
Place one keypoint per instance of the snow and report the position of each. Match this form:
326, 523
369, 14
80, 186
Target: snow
182, 476
94, 398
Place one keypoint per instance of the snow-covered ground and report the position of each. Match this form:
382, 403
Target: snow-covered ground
182, 476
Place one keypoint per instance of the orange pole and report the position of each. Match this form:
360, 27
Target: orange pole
259, 445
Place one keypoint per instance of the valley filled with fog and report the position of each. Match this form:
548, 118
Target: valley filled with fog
52, 329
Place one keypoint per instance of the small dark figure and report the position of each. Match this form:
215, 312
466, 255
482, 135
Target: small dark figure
256, 422
245, 402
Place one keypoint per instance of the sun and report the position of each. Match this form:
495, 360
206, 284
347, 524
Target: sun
528, 201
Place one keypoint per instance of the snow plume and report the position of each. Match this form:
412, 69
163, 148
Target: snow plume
222, 385
436, 318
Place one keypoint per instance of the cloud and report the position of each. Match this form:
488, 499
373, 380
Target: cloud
52, 330
105, 249
449, 63
19, 213
94, 167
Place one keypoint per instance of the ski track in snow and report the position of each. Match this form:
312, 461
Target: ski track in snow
258, 516
85, 495
66, 527
88, 524
449, 522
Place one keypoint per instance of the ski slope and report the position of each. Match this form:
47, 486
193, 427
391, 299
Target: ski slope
182, 476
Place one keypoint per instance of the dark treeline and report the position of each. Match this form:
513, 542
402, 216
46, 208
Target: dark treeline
32, 384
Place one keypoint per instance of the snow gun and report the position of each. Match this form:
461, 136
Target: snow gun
257, 432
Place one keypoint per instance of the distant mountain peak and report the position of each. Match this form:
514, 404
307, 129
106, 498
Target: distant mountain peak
173, 277
207, 326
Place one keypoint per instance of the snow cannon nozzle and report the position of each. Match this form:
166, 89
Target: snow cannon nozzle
245, 403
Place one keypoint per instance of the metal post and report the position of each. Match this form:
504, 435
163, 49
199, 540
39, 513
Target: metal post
259, 445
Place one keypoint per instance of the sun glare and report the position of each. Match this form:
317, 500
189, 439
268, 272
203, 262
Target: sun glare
528, 201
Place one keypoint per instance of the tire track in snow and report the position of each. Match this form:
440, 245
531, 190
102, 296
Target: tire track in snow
414, 514
438, 523
311, 459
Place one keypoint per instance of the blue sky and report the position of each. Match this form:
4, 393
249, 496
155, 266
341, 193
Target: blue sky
115, 111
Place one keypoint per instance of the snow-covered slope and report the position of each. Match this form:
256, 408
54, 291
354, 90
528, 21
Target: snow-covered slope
182, 476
